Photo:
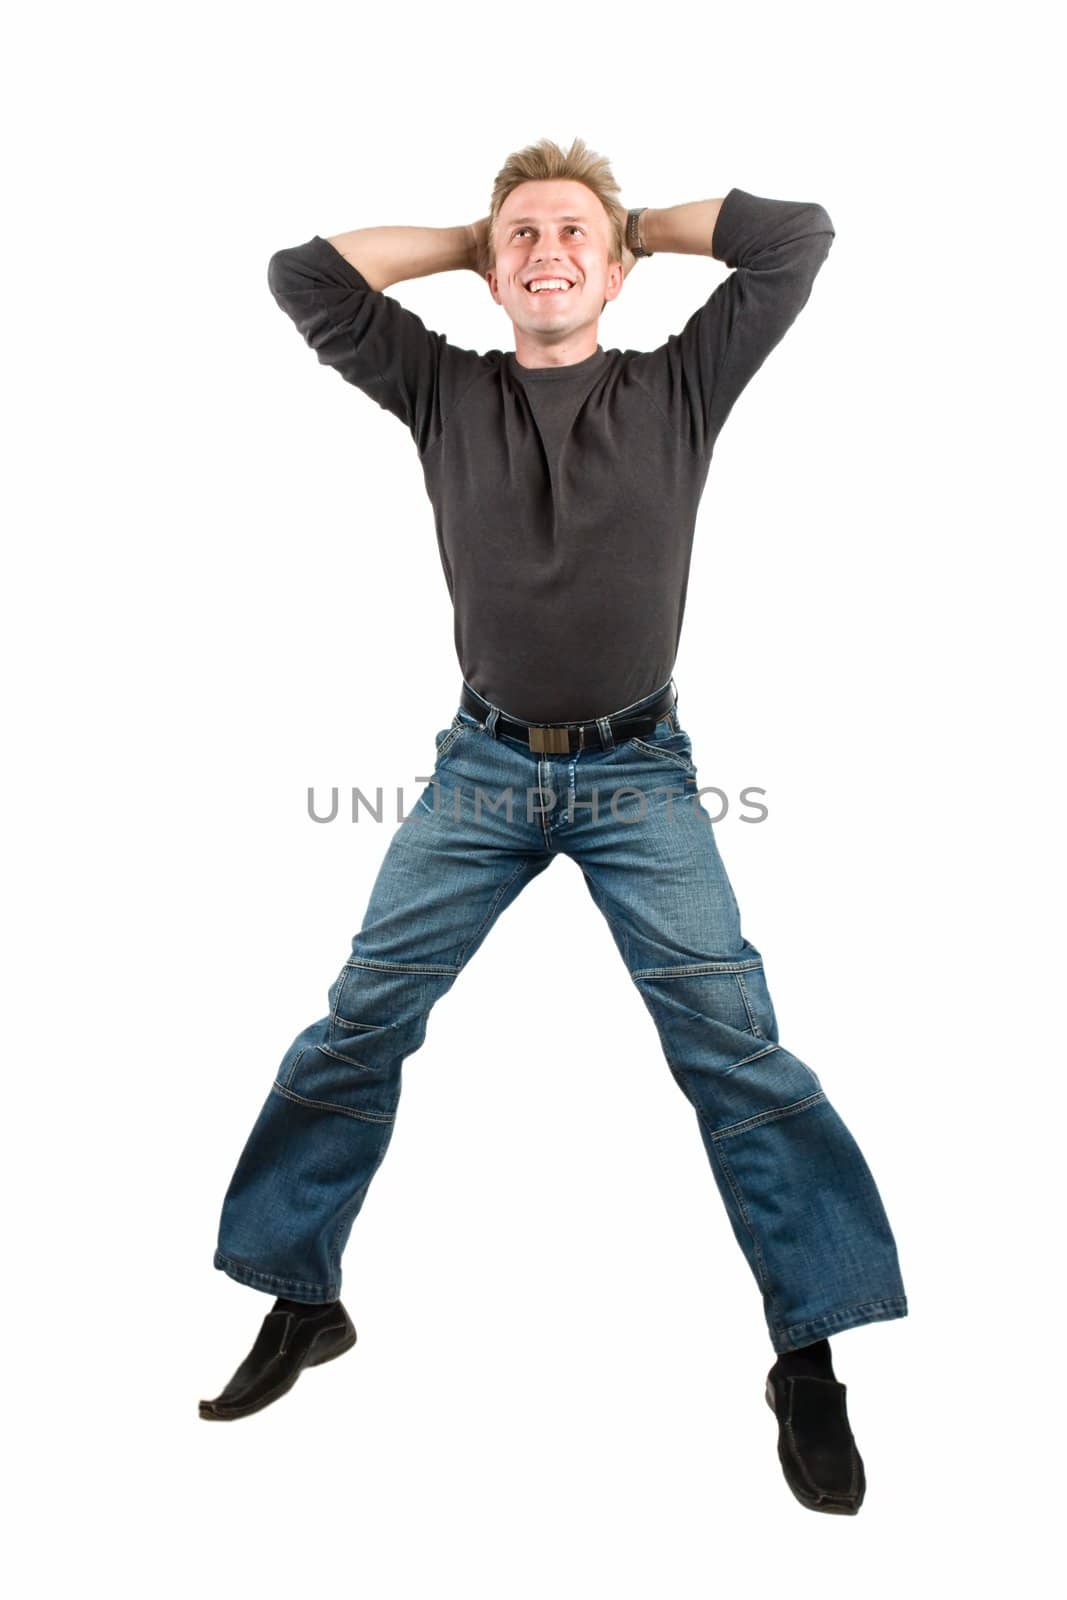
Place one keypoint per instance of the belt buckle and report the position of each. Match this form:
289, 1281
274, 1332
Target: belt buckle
551, 741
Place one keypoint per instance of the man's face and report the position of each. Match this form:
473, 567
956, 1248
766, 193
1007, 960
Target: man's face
553, 229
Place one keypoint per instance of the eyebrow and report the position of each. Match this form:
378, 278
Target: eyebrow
515, 221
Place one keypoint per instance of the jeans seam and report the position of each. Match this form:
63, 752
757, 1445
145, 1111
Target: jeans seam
491, 913
435, 969
774, 1316
757, 1055
695, 969
770, 1116
448, 741
830, 1317
329, 1105
728, 1173
273, 1277
753, 1025
292, 1070
663, 755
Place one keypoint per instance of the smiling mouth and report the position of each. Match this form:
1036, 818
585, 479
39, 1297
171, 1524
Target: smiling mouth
548, 291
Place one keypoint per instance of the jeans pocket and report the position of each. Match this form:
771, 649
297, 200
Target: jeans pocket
670, 746
446, 738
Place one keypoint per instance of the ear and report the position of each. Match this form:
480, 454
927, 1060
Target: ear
493, 282
615, 279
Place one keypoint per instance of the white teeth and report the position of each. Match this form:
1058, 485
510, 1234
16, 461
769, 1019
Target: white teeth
548, 283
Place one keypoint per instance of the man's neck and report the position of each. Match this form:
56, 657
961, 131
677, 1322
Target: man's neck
531, 353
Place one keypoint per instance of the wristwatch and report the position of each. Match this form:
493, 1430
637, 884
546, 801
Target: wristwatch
633, 233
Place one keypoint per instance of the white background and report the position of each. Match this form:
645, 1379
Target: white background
222, 585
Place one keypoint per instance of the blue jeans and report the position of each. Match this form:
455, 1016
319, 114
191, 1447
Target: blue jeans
800, 1197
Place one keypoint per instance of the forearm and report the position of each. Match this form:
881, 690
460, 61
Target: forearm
682, 230
388, 255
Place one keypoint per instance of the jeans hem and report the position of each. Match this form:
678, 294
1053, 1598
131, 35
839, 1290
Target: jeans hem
273, 1283
798, 1334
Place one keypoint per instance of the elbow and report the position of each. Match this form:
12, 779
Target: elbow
289, 271
278, 272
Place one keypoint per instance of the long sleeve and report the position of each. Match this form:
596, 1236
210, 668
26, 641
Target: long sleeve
372, 340
776, 248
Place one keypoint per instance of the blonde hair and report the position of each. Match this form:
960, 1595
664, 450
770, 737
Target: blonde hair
546, 160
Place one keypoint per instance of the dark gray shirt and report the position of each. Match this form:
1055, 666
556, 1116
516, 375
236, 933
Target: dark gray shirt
565, 498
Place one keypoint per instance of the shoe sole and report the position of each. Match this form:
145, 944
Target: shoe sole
805, 1500
208, 1415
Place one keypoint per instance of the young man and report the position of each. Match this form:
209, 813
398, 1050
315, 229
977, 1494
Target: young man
565, 481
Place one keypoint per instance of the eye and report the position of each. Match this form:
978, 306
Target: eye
572, 227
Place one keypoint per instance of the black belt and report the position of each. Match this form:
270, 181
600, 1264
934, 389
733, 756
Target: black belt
560, 738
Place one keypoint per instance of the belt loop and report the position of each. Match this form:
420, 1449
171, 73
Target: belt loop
607, 738
490, 722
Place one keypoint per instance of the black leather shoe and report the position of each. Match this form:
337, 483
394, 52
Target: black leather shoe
288, 1342
819, 1457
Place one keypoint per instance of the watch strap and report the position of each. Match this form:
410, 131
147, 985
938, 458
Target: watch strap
633, 232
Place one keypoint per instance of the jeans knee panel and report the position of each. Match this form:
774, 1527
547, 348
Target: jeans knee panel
710, 1012
378, 1006
756, 999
